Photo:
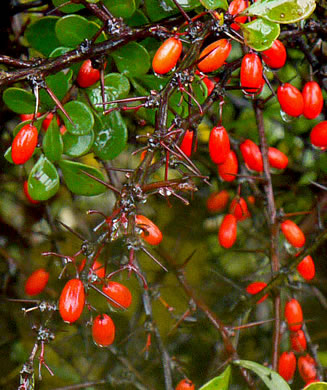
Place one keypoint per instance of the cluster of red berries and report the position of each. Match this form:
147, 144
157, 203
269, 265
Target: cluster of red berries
287, 360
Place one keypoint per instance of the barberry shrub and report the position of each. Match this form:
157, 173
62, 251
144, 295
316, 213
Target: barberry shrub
111, 170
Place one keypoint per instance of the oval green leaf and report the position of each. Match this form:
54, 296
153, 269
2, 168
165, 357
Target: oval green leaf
132, 59
260, 33
41, 35
158, 9
270, 378
7, 155
214, 4
138, 19
282, 11
81, 116
120, 8
221, 382
59, 85
77, 145
67, 9
111, 139
78, 182
19, 100
316, 386
52, 142
43, 180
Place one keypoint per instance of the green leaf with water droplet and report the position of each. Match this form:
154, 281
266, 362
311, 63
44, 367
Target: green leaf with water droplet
132, 59
52, 142
43, 180
81, 115
260, 33
221, 382
77, 145
214, 4
270, 377
78, 182
282, 11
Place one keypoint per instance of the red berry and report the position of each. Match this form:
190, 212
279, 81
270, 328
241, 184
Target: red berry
290, 99
47, 120
251, 73
103, 330
275, 56
298, 341
251, 199
167, 55
28, 196
217, 201
87, 75
228, 169
119, 293
97, 269
239, 208
24, 144
186, 144
293, 233
71, 301
36, 282
27, 117
307, 368
235, 7
318, 135
219, 51
255, 287
312, 99
227, 231
307, 268
185, 384
277, 159
150, 232
252, 155
219, 145
293, 314
287, 365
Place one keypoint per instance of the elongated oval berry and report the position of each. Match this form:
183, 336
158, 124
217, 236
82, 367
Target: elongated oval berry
217, 201
119, 293
255, 287
318, 135
235, 7
103, 330
97, 269
28, 196
307, 367
87, 75
293, 314
26, 117
150, 232
36, 282
185, 384
307, 268
228, 231
167, 55
277, 159
290, 99
214, 55
313, 100
298, 341
187, 142
219, 145
287, 365
251, 73
24, 144
239, 208
275, 56
72, 300
252, 155
293, 233
229, 168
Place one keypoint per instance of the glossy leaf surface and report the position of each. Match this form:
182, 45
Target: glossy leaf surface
81, 116
260, 34
221, 382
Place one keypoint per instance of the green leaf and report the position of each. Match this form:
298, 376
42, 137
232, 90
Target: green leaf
260, 33
132, 59
52, 142
214, 4
67, 9
220, 382
317, 386
120, 8
282, 11
138, 19
77, 145
59, 85
81, 116
19, 100
323, 162
79, 183
160, 9
7, 155
41, 34
43, 180
110, 140
271, 379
